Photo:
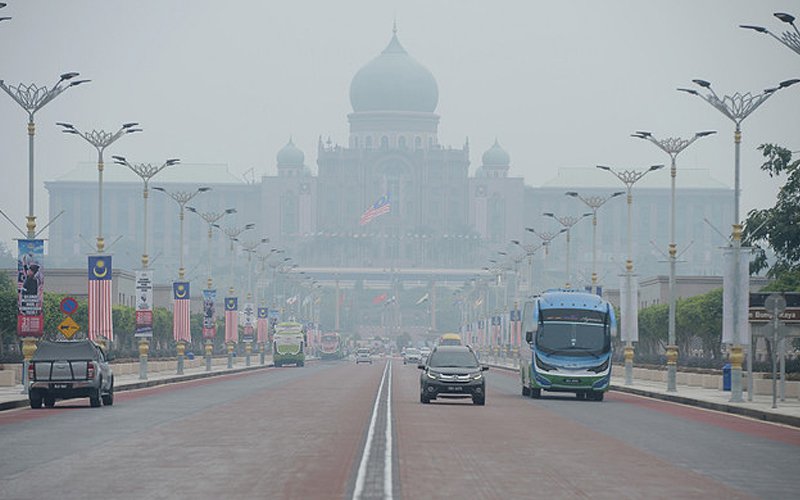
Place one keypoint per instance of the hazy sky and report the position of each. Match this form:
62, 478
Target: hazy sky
559, 83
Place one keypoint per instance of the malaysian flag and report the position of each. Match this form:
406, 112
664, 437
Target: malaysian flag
380, 207
231, 319
100, 324
262, 324
181, 329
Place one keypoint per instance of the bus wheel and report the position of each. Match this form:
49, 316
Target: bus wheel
580, 395
536, 393
526, 391
598, 396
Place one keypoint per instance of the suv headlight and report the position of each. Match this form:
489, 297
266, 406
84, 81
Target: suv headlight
432, 375
477, 376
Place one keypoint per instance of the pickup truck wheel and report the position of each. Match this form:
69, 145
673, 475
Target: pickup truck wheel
49, 401
36, 400
108, 399
94, 399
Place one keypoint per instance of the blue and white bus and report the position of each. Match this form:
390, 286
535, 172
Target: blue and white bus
569, 337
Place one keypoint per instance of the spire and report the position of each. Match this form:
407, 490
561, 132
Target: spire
394, 25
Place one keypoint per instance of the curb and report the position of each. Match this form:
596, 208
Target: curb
130, 386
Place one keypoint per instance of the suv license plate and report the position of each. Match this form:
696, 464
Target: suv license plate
61, 386
455, 388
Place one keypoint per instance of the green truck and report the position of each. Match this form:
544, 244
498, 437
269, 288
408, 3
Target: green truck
288, 344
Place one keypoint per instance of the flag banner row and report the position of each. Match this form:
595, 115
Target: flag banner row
30, 288
101, 325
181, 317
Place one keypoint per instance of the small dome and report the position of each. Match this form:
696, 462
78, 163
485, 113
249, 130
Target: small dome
290, 156
394, 81
496, 156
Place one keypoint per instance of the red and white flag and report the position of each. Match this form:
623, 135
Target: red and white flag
262, 323
231, 319
181, 318
101, 325
380, 207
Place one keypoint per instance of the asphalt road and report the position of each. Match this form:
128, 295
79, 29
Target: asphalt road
337, 430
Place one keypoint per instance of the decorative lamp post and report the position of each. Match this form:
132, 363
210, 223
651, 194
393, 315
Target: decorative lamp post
3, 4
790, 39
145, 171
736, 107
594, 203
209, 294
530, 251
672, 146
546, 237
567, 221
628, 305
32, 98
100, 139
249, 308
180, 329
231, 330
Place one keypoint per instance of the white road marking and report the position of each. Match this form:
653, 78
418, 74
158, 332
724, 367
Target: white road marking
387, 458
362, 467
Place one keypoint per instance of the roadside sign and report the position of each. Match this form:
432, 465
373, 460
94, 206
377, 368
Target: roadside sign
68, 327
68, 305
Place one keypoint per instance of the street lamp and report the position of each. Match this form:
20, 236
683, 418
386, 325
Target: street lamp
672, 146
594, 203
736, 107
209, 320
628, 306
567, 221
546, 237
3, 4
32, 99
529, 250
181, 198
788, 38
145, 171
250, 247
100, 139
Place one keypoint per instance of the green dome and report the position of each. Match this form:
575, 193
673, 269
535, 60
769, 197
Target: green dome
496, 156
289, 155
394, 81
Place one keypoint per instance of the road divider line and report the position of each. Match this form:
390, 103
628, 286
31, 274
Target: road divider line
387, 458
362, 467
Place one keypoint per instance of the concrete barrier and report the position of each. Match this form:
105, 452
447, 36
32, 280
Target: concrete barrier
8, 378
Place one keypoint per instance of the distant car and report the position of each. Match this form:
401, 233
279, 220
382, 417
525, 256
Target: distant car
412, 355
363, 355
452, 371
425, 352
68, 370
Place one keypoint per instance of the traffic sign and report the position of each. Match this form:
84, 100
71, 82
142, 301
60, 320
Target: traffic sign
68, 305
68, 327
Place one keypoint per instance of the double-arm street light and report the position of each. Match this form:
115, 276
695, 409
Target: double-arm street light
594, 203
145, 171
673, 147
100, 139
182, 198
629, 304
32, 99
789, 38
567, 221
5, 18
530, 250
546, 237
251, 247
736, 107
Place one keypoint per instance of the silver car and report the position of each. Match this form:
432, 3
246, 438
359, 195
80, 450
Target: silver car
68, 370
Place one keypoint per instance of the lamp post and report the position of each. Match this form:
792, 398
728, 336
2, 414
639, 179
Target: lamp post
100, 139
594, 203
232, 233
3, 4
181, 198
209, 319
736, 107
32, 98
546, 237
673, 147
530, 250
145, 171
628, 306
567, 221
787, 38
250, 247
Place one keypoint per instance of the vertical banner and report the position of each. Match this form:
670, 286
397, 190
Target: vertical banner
735, 298
262, 325
209, 314
231, 319
30, 287
515, 327
181, 318
249, 322
144, 304
100, 324
628, 308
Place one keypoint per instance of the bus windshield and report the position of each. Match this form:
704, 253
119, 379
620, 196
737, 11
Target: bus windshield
573, 339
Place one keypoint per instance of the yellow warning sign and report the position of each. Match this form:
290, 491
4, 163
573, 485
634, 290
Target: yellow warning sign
68, 327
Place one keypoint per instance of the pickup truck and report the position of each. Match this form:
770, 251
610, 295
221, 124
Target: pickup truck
67, 370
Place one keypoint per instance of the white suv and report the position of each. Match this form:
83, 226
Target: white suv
363, 355
412, 355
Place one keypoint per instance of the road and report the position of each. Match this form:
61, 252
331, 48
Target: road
328, 431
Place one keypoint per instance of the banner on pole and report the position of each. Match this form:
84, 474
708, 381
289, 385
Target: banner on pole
209, 314
181, 312
30, 287
144, 304
100, 319
735, 298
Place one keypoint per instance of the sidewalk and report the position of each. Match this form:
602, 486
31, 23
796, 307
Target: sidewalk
13, 396
787, 412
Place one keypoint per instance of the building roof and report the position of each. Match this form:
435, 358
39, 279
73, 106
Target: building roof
196, 173
575, 177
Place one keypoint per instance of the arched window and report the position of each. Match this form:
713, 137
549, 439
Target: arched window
368, 142
384, 142
401, 142
417, 142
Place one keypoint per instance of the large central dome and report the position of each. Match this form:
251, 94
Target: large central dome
394, 81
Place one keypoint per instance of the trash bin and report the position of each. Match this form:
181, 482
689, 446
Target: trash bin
726, 377
190, 355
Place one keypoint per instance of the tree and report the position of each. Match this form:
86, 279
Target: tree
778, 227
